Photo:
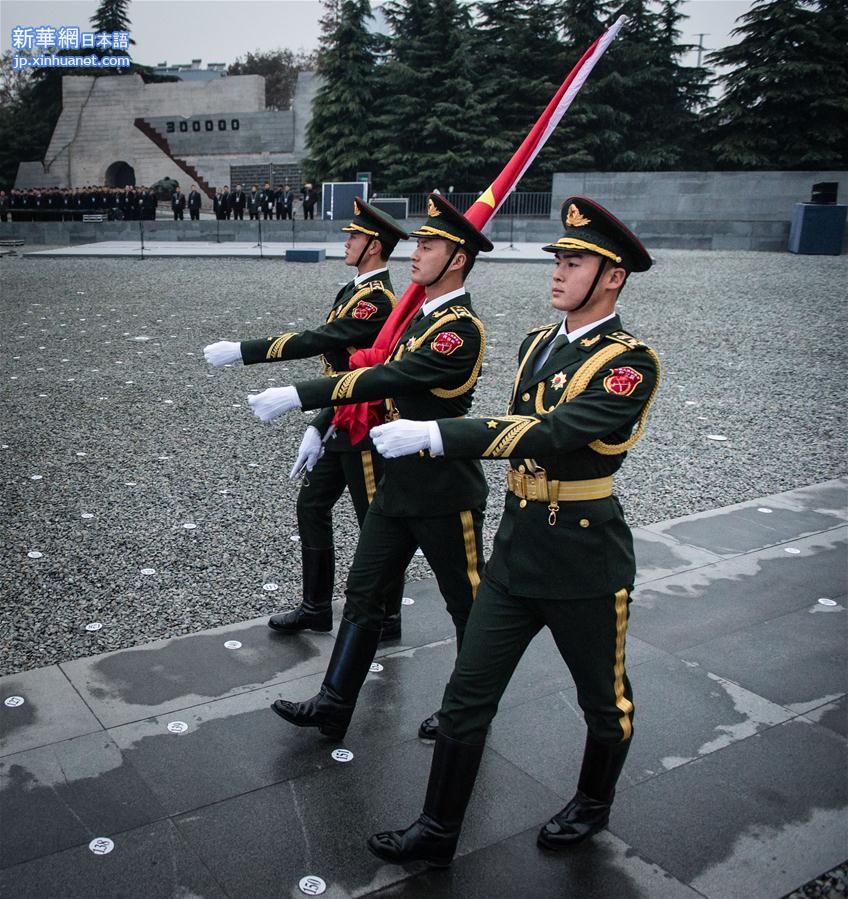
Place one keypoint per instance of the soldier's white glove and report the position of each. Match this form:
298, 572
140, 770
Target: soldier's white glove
222, 353
403, 438
273, 402
311, 450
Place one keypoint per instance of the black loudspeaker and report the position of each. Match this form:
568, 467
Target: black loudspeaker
825, 192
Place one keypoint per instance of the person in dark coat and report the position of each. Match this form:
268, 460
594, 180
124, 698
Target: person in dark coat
238, 200
194, 203
309, 200
178, 204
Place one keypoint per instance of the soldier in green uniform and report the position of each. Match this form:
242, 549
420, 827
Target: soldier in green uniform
358, 313
563, 554
436, 504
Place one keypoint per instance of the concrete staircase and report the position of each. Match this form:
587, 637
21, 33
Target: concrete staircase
162, 142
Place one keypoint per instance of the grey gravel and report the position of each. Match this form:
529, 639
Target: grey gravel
754, 342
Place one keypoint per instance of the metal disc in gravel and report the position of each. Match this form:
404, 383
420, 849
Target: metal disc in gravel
375, 668
342, 755
270, 587
718, 437
93, 626
87, 515
177, 727
35, 477
765, 510
793, 551
294, 538
312, 885
148, 571
101, 846
232, 644
408, 601
825, 601
34, 554
189, 525
13, 702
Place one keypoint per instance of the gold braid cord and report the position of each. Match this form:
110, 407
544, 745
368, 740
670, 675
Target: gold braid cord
584, 375
344, 386
542, 333
452, 316
504, 444
275, 351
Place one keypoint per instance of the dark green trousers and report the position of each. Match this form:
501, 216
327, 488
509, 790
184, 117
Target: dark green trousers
451, 543
590, 635
359, 472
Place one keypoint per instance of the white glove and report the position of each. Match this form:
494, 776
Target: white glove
222, 353
311, 450
273, 402
401, 438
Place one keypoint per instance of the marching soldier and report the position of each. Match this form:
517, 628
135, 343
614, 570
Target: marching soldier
563, 554
430, 503
356, 317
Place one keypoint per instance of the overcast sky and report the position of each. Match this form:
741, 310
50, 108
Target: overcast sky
178, 31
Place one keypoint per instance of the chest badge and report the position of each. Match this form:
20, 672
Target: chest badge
558, 380
590, 341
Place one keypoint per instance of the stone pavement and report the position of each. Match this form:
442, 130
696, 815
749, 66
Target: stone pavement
503, 252
735, 786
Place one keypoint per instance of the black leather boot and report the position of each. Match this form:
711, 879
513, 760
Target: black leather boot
315, 613
588, 811
331, 709
429, 727
433, 837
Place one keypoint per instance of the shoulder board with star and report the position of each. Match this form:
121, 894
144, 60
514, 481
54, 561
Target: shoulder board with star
628, 340
542, 328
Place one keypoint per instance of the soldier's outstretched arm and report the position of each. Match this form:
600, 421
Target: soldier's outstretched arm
609, 405
439, 364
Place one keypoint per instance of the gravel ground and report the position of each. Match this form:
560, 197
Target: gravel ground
117, 436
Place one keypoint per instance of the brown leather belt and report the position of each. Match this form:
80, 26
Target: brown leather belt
539, 488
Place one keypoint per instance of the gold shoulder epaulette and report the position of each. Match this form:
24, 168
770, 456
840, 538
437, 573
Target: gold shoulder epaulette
628, 340
462, 312
542, 328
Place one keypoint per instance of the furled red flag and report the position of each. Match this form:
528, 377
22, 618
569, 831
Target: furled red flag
357, 419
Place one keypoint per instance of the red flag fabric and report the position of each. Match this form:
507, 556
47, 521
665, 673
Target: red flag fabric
358, 419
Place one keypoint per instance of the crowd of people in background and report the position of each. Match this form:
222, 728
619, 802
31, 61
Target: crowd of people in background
265, 203
55, 204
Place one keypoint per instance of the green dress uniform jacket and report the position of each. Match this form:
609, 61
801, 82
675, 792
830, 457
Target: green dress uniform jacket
431, 373
354, 321
564, 427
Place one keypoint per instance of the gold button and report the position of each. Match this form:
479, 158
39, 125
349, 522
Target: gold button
525, 397
523, 503
522, 469
584, 522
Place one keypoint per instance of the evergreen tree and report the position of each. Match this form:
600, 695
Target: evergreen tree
340, 132
639, 109
432, 131
785, 100
519, 51
111, 15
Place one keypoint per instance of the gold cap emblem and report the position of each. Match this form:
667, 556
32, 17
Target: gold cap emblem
356, 207
575, 218
432, 209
